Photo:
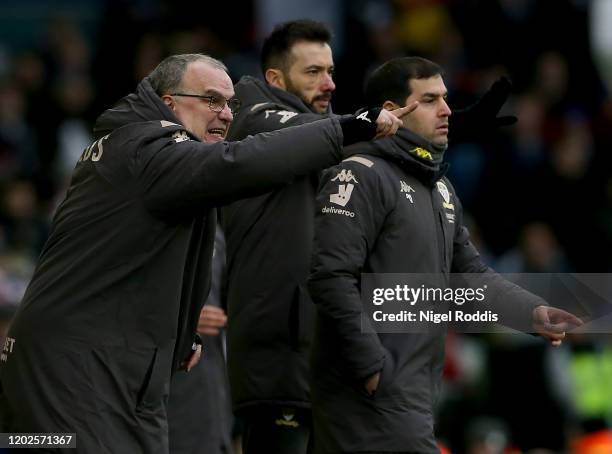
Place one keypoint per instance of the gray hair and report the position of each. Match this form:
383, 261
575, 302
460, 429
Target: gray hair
168, 75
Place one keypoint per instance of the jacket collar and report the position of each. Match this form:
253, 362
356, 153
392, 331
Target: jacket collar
410, 152
142, 105
252, 91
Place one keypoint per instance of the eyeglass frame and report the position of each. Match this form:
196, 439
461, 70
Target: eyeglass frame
226, 102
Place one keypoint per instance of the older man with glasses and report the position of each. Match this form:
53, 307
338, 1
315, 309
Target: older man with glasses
112, 309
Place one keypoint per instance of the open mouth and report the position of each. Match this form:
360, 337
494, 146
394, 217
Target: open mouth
217, 132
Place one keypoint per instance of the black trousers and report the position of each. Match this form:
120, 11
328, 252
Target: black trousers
277, 430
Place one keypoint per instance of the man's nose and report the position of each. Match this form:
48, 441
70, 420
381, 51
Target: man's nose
328, 83
226, 114
445, 110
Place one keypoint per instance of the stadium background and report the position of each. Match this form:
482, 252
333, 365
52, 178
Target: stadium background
539, 194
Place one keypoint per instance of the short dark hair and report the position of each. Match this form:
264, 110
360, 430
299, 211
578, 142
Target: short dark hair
277, 47
168, 75
390, 81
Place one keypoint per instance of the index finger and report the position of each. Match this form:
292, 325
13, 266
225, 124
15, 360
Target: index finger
572, 319
213, 309
403, 111
213, 321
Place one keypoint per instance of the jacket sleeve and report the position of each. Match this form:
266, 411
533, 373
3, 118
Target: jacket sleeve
350, 209
268, 117
183, 175
513, 304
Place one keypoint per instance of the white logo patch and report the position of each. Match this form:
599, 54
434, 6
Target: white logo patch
344, 190
364, 116
89, 152
346, 176
257, 106
180, 136
284, 114
404, 187
343, 196
450, 217
332, 210
443, 190
9, 344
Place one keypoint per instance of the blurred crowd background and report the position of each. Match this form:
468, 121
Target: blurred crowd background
538, 194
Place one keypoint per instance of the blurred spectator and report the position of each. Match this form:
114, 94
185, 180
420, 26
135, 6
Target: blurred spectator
17, 146
423, 26
487, 436
68, 50
15, 273
538, 252
530, 149
24, 230
268, 13
551, 79
74, 96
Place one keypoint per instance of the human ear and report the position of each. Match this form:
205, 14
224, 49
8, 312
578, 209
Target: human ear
390, 105
276, 78
167, 99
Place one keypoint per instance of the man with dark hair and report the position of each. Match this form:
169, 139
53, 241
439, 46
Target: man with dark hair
112, 309
269, 242
278, 51
389, 82
389, 209
269, 245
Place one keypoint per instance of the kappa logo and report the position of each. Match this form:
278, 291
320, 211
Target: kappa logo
180, 136
343, 195
284, 114
404, 187
422, 153
346, 176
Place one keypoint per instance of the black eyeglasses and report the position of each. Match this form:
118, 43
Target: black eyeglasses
215, 103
